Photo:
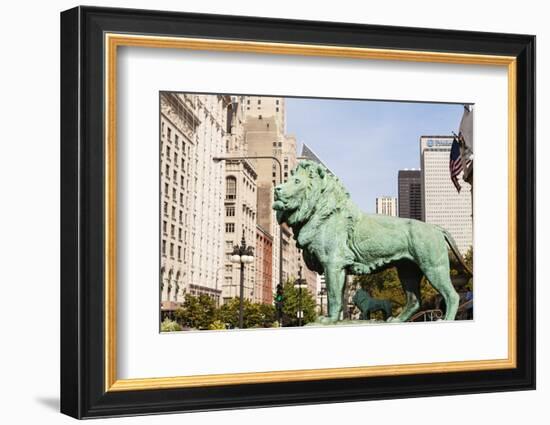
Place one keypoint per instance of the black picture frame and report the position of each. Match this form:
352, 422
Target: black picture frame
83, 392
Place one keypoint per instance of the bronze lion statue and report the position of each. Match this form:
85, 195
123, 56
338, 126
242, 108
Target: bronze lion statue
337, 238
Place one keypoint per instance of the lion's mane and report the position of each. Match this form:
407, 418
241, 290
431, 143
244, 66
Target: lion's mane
325, 195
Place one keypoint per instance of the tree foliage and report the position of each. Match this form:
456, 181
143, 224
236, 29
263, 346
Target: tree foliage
197, 312
384, 284
292, 302
168, 325
255, 315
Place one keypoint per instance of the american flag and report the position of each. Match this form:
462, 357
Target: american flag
455, 163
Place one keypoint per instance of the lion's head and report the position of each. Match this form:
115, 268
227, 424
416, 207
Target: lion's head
311, 189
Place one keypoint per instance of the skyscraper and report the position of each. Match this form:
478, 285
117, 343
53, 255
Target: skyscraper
193, 130
386, 205
441, 203
409, 192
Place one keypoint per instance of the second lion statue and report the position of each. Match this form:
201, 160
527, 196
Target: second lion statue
338, 239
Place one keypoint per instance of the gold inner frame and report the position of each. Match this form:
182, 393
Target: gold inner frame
113, 41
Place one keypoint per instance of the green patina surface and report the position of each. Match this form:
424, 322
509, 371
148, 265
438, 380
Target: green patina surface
337, 238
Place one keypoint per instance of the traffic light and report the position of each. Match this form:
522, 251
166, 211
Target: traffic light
279, 299
279, 295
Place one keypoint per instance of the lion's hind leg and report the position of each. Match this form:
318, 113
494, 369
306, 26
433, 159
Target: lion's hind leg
410, 276
439, 278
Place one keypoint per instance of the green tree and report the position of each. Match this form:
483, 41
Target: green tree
168, 325
291, 303
255, 315
197, 312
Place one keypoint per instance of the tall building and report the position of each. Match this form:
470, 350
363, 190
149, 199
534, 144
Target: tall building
441, 203
265, 136
240, 220
264, 106
240, 205
409, 192
386, 205
192, 131
263, 256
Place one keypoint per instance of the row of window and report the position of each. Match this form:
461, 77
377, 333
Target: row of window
174, 194
171, 249
181, 234
173, 215
176, 141
260, 101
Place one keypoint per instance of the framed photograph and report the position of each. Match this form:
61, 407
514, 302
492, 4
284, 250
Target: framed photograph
261, 212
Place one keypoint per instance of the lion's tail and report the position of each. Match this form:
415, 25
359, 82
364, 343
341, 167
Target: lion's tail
452, 244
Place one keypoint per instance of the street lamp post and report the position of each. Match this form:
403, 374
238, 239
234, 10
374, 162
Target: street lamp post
299, 283
321, 294
273, 158
242, 254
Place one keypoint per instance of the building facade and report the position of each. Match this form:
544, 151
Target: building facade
409, 192
207, 206
265, 136
192, 131
263, 291
441, 203
386, 205
240, 204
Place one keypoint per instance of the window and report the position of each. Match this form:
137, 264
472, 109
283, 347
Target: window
181, 181
172, 250
228, 245
276, 109
228, 268
172, 230
259, 101
164, 226
168, 153
175, 157
179, 252
175, 176
277, 101
173, 212
177, 138
174, 193
165, 208
181, 217
229, 227
230, 211
181, 198
167, 170
179, 234
162, 128
169, 133
182, 165
164, 247
166, 189
230, 187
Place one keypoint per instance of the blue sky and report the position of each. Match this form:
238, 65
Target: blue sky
365, 143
